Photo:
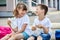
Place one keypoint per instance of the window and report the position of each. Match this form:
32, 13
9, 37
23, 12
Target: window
42, 1
54, 3
2, 2
34, 2
25, 1
49, 5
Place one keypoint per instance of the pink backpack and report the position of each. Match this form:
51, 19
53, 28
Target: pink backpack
4, 30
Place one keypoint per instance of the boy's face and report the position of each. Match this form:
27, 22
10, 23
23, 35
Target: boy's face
21, 12
39, 11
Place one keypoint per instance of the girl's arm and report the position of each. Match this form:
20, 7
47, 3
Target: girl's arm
9, 22
23, 28
13, 30
26, 22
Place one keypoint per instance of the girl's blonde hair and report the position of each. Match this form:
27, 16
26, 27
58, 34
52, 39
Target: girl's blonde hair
19, 6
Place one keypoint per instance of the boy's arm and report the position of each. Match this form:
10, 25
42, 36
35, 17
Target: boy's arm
33, 28
48, 26
46, 29
34, 25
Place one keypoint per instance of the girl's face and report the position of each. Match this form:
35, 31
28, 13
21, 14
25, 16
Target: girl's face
39, 11
21, 12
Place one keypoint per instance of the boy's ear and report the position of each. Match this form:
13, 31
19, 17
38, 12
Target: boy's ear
26, 11
43, 10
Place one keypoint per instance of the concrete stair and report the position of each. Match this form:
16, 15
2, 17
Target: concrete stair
55, 26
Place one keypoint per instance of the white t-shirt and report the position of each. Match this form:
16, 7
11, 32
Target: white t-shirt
45, 22
18, 22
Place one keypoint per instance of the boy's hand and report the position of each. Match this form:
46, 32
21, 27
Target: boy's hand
33, 28
39, 26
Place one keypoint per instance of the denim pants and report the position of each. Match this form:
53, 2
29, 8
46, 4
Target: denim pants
45, 36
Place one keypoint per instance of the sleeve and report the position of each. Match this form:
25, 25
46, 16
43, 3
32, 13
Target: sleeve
13, 22
34, 23
26, 20
9, 19
49, 25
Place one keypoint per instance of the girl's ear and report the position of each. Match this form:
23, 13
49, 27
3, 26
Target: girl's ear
17, 9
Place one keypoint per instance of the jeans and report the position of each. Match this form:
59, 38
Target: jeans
45, 36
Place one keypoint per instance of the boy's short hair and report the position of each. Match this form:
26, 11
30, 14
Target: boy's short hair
43, 7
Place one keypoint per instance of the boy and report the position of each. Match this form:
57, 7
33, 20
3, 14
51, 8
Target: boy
42, 25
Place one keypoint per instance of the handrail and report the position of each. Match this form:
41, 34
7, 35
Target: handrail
35, 2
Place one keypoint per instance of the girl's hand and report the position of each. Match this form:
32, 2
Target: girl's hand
17, 32
13, 33
9, 22
33, 28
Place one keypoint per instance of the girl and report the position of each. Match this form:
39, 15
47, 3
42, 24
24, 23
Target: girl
20, 22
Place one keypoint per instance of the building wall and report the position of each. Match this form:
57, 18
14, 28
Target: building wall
3, 8
6, 11
10, 4
50, 3
2, 5
59, 4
